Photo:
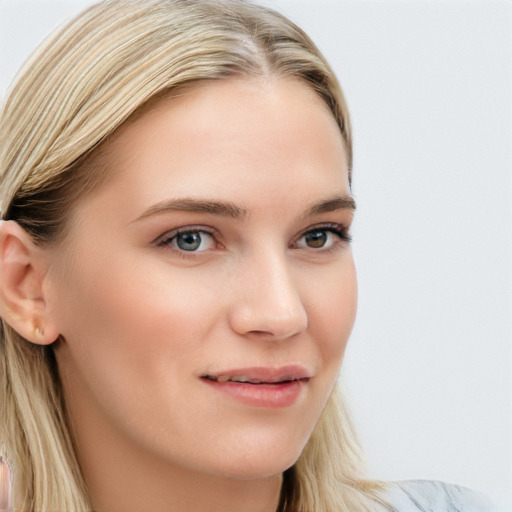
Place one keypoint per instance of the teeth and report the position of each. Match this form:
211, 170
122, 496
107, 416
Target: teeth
243, 379
237, 378
240, 378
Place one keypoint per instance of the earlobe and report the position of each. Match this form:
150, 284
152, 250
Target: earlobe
22, 296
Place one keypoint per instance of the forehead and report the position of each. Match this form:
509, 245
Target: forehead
243, 139
223, 112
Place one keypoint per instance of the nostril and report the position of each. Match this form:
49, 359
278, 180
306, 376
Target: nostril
261, 333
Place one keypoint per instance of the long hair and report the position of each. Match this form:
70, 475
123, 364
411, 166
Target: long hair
98, 72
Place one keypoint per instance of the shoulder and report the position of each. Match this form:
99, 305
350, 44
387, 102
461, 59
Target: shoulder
434, 496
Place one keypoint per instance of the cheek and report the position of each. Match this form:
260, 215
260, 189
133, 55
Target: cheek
132, 341
332, 311
122, 296
133, 326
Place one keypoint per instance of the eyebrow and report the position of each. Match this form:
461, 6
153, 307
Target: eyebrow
330, 205
222, 208
232, 210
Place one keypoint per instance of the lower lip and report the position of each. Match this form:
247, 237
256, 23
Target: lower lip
270, 396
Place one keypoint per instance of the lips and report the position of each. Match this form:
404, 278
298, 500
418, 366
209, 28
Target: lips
248, 380
261, 387
261, 375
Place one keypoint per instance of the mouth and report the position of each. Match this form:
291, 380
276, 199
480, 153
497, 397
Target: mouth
261, 375
243, 379
261, 387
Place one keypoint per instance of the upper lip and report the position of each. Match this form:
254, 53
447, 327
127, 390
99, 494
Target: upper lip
261, 374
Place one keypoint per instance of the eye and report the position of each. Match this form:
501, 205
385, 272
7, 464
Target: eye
316, 239
323, 237
190, 240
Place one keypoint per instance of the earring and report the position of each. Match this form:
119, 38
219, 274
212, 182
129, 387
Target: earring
39, 332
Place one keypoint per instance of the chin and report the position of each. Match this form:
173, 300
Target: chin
258, 471
266, 463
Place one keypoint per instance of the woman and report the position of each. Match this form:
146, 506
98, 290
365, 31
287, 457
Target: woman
177, 285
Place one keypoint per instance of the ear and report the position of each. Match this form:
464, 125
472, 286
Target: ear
23, 268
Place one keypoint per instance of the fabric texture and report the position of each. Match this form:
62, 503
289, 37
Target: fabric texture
434, 496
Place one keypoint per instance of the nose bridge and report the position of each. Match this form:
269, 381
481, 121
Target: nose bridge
270, 301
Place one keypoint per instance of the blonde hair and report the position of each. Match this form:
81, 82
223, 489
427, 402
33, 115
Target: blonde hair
98, 72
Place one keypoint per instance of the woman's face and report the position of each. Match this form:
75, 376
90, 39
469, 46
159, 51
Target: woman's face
206, 291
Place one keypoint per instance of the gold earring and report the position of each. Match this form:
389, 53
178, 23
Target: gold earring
39, 332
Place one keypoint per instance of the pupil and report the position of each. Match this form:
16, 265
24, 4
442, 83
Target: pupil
316, 239
188, 241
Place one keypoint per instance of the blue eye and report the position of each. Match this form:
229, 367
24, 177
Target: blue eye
191, 241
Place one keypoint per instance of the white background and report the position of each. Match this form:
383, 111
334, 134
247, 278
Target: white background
429, 85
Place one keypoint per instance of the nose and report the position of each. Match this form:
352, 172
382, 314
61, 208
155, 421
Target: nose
268, 302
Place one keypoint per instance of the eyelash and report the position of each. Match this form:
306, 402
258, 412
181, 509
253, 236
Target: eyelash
339, 230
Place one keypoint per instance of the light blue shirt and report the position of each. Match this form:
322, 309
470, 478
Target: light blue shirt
434, 496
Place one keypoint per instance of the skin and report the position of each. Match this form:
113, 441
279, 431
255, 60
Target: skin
142, 320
